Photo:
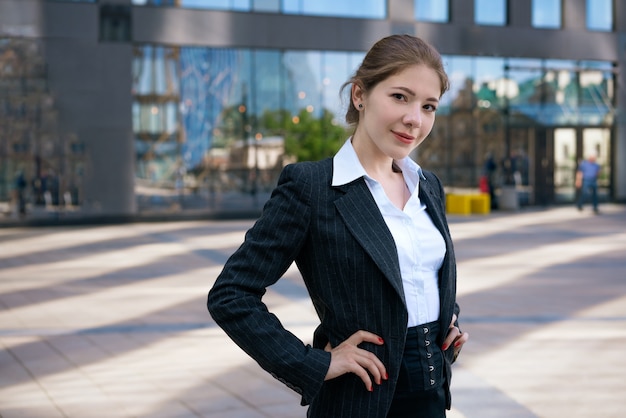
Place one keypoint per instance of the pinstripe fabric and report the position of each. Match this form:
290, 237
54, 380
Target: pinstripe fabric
349, 263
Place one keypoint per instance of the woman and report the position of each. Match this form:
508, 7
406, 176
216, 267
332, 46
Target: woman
367, 230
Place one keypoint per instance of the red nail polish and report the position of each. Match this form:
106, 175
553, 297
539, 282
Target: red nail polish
444, 347
381, 340
386, 376
457, 344
371, 389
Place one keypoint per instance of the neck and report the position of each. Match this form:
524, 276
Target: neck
376, 164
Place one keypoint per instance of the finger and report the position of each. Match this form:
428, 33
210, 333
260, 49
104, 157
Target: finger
373, 363
365, 336
365, 377
459, 342
454, 318
453, 334
348, 358
374, 366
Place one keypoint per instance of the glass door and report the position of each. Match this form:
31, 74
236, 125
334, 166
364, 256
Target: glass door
596, 142
565, 162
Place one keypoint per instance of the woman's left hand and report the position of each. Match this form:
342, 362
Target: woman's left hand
455, 338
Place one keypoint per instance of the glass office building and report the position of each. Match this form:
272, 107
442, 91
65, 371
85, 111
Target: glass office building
143, 108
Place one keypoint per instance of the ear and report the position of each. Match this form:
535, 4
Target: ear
356, 95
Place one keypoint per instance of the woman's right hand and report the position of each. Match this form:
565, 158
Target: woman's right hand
347, 357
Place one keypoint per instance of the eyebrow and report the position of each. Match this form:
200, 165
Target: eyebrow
412, 93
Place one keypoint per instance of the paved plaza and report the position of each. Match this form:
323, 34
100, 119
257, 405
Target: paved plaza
110, 321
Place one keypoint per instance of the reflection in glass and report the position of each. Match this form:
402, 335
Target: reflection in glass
564, 164
599, 15
367, 9
266, 6
490, 12
546, 14
214, 126
432, 11
42, 166
237, 5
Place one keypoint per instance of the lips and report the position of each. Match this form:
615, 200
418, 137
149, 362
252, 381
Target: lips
404, 138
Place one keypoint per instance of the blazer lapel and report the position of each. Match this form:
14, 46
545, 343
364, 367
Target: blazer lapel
430, 197
427, 195
360, 213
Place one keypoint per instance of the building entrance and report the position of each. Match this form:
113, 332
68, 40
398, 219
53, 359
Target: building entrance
573, 144
543, 162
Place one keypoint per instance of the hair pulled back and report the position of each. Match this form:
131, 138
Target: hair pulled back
389, 56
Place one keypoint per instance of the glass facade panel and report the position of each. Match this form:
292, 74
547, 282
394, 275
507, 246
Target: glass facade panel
236, 5
529, 97
596, 101
156, 123
42, 167
217, 131
561, 92
266, 6
432, 11
546, 14
564, 164
214, 126
490, 12
368, 9
338, 67
600, 15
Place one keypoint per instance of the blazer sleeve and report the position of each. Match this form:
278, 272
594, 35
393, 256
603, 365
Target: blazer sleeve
234, 301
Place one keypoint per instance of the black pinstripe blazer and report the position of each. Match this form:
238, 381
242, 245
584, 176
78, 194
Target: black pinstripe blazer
349, 263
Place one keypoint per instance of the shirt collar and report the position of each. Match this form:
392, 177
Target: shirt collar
347, 167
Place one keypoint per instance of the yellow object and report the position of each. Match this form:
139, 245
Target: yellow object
466, 204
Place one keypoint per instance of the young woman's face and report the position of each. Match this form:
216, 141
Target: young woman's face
399, 112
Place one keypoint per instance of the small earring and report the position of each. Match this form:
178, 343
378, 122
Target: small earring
360, 105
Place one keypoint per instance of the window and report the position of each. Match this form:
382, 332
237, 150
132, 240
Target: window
490, 12
367, 9
546, 14
237, 5
432, 10
115, 23
600, 15
272, 6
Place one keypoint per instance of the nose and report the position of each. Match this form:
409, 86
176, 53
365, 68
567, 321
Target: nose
413, 117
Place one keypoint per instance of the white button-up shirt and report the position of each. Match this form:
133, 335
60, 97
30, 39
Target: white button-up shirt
421, 248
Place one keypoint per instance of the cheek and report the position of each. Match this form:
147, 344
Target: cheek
418, 143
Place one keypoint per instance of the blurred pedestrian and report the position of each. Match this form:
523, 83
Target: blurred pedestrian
489, 173
587, 182
19, 190
368, 232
